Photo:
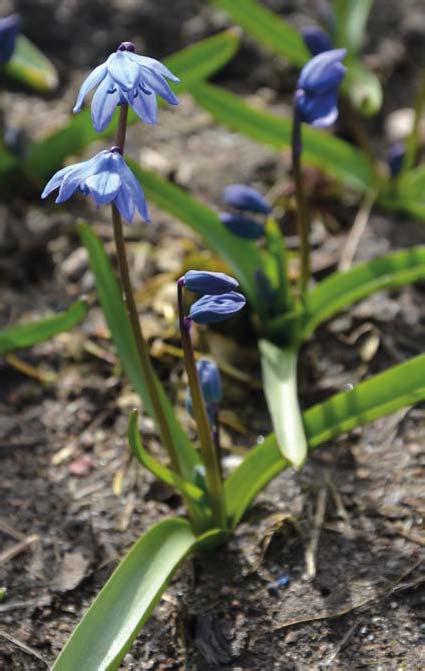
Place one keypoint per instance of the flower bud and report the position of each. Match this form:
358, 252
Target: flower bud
242, 197
316, 40
214, 309
244, 227
395, 158
317, 92
205, 282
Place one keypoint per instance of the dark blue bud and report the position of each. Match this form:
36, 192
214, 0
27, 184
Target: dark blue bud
243, 197
213, 309
205, 282
395, 158
210, 380
316, 40
244, 227
317, 94
9, 30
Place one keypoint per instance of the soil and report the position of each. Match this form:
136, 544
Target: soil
73, 502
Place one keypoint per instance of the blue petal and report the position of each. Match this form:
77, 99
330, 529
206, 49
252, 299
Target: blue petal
145, 106
316, 40
213, 309
210, 380
56, 180
157, 83
154, 65
104, 104
132, 186
243, 197
92, 80
103, 186
125, 204
205, 282
123, 70
320, 111
242, 226
323, 72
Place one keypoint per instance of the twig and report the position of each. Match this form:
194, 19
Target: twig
23, 647
341, 644
311, 551
14, 533
44, 376
394, 587
357, 230
18, 548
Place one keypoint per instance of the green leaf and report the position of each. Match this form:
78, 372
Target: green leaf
407, 193
31, 67
351, 17
155, 467
268, 28
242, 256
330, 154
280, 387
195, 62
340, 290
26, 335
399, 387
122, 335
105, 634
363, 88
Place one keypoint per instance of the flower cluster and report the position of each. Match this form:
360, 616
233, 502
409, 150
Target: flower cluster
242, 199
10, 27
317, 90
219, 301
124, 78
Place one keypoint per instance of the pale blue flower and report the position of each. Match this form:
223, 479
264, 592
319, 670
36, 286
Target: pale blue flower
126, 77
316, 96
107, 178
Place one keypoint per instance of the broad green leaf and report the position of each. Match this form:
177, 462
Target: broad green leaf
322, 150
341, 290
31, 67
242, 256
26, 335
155, 467
351, 17
407, 193
122, 335
267, 28
123, 606
399, 387
280, 388
191, 64
363, 87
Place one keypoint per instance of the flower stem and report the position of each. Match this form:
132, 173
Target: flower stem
303, 217
142, 347
208, 448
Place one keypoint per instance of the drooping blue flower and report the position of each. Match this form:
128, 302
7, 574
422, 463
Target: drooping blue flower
212, 392
316, 40
242, 226
395, 158
213, 309
10, 27
126, 77
206, 282
107, 178
317, 91
245, 198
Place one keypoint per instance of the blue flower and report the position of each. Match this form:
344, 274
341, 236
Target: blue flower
395, 158
316, 40
107, 178
213, 309
126, 77
245, 198
205, 282
9, 29
210, 380
244, 227
317, 92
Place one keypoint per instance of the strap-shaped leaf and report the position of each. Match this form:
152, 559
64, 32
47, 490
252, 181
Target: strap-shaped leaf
242, 256
126, 602
398, 387
191, 64
280, 388
407, 193
351, 18
155, 467
340, 290
31, 67
26, 335
119, 325
268, 28
322, 150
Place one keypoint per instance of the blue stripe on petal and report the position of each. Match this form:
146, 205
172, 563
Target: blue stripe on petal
145, 106
123, 70
157, 83
104, 103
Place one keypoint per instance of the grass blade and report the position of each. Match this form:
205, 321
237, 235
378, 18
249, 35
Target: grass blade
125, 603
330, 154
399, 387
26, 335
280, 387
340, 290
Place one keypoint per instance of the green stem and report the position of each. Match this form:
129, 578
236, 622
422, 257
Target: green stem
303, 217
413, 139
209, 453
130, 303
